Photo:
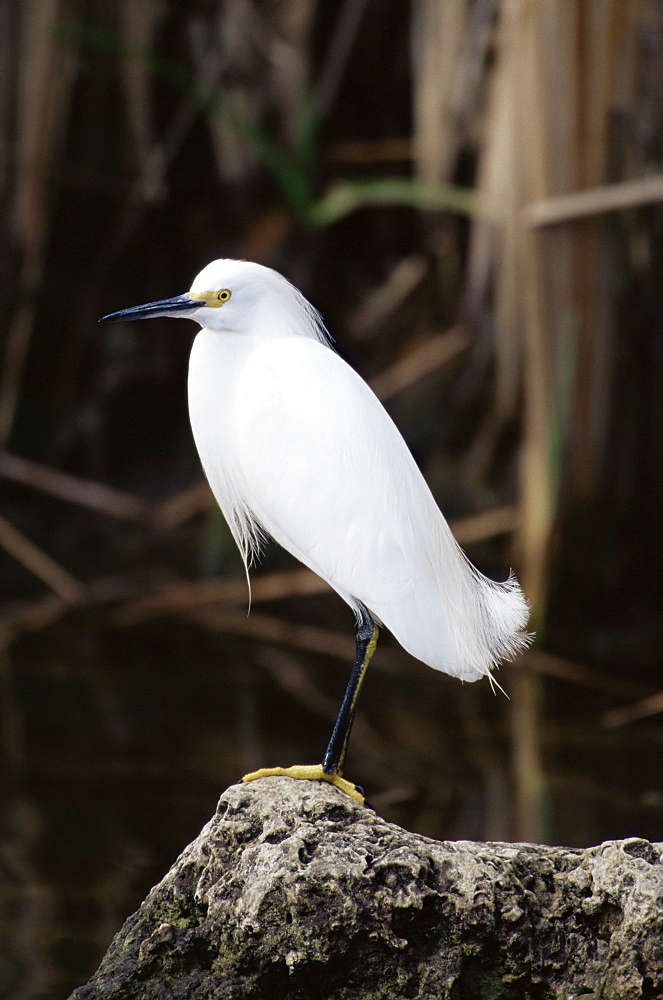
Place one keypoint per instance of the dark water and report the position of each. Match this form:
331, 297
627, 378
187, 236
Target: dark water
118, 741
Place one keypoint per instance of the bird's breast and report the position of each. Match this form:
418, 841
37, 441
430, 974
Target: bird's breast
220, 387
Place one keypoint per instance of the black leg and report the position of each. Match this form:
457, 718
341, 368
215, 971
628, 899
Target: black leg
367, 637
331, 768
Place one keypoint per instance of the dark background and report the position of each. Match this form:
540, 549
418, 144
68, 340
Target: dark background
405, 165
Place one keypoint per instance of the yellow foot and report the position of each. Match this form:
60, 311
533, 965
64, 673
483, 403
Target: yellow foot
307, 772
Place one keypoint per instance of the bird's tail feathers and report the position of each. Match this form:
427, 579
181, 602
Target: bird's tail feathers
485, 620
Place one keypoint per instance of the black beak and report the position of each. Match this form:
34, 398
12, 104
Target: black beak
164, 307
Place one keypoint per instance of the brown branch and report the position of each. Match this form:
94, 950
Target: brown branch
39, 563
382, 302
292, 678
288, 583
426, 358
185, 505
187, 595
632, 713
19, 617
73, 489
486, 524
395, 150
583, 676
280, 632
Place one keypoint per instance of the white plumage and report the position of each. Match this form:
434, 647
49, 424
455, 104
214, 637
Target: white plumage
297, 447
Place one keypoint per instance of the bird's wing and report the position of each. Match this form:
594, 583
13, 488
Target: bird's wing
324, 470
328, 475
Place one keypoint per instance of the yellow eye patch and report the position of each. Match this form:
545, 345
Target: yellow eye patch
213, 300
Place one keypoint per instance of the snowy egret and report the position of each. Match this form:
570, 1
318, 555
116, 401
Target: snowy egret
296, 447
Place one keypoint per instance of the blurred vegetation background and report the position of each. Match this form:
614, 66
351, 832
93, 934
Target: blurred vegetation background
470, 191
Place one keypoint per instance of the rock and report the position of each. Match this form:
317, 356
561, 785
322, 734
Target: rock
293, 890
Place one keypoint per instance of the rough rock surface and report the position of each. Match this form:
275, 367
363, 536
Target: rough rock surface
293, 890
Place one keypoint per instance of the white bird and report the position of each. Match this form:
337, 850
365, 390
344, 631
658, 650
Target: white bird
296, 447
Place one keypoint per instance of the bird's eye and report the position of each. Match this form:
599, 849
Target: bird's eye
223, 295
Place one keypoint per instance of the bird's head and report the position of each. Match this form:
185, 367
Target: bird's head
237, 296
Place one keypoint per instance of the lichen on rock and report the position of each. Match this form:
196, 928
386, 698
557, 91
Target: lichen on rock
293, 890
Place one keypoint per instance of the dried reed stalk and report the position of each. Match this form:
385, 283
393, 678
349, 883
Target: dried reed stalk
594, 201
545, 163
438, 29
45, 76
140, 22
449, 44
